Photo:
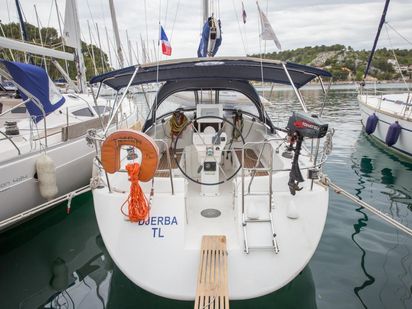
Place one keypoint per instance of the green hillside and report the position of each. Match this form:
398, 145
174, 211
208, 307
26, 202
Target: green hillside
347, 64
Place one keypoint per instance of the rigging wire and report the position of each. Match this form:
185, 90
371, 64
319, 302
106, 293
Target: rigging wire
103, 16
48, 22
244, 33
94, 23
261, 64
396, 59
238, 23
158, 55
145, 20
61, 35
167, 7
267, 9
174, 21
390, 26
8, 12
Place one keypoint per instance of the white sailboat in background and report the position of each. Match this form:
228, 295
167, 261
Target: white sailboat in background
45, 158
387, 116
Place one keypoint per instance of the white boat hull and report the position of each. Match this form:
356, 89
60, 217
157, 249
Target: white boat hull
387, 114
162, 255
19, 189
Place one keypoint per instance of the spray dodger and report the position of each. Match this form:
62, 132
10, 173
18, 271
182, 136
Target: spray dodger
301, 125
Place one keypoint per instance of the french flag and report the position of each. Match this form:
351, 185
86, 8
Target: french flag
166, 47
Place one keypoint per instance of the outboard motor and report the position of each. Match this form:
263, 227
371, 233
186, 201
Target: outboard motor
300, 126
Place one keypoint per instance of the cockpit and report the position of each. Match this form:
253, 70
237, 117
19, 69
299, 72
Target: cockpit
205, 130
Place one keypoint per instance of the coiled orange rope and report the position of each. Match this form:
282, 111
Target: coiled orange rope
138, 205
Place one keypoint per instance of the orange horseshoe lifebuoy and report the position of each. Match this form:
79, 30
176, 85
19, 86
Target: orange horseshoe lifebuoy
111, 152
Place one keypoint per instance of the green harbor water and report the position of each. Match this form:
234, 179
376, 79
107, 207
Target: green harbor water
60, 261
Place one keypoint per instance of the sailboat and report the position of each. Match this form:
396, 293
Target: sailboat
211, 201
216, 175
388, 116
224, 204
45, 158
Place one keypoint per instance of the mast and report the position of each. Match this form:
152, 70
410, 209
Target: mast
91, 45
41, 39
144, 56
61, 34
108, 46
154, 51
23, 30
129, 47
102, 62
137, 53
205, 11
116, 34
385, 9
22, 25
11, 52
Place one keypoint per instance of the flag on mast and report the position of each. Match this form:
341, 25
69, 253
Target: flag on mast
166, 47
267, 30
244, 16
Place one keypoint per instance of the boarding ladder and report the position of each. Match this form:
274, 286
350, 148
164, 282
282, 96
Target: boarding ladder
267, 218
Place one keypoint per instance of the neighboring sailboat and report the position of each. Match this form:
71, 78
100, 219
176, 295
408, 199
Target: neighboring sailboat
55, 127
387, 117
44, 157
222, 188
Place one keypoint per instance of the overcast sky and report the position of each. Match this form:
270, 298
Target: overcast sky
297, 23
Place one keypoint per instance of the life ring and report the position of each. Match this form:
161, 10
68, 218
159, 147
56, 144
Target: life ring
110, 152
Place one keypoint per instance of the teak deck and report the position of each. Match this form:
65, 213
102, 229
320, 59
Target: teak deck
251, 160
212, 284
163, 167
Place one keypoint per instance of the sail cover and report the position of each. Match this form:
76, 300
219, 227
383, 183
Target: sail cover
36, 81
211, 38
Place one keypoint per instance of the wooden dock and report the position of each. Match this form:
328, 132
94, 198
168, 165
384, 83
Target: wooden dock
212, 284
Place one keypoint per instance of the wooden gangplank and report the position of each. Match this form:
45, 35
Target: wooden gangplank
212, 284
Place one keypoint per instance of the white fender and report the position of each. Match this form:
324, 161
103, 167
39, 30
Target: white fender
46, 173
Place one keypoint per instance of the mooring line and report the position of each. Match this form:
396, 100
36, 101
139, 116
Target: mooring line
327, 182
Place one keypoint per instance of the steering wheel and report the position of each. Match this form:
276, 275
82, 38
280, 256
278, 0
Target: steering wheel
214, 139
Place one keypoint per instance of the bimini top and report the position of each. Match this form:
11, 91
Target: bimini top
230, 68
